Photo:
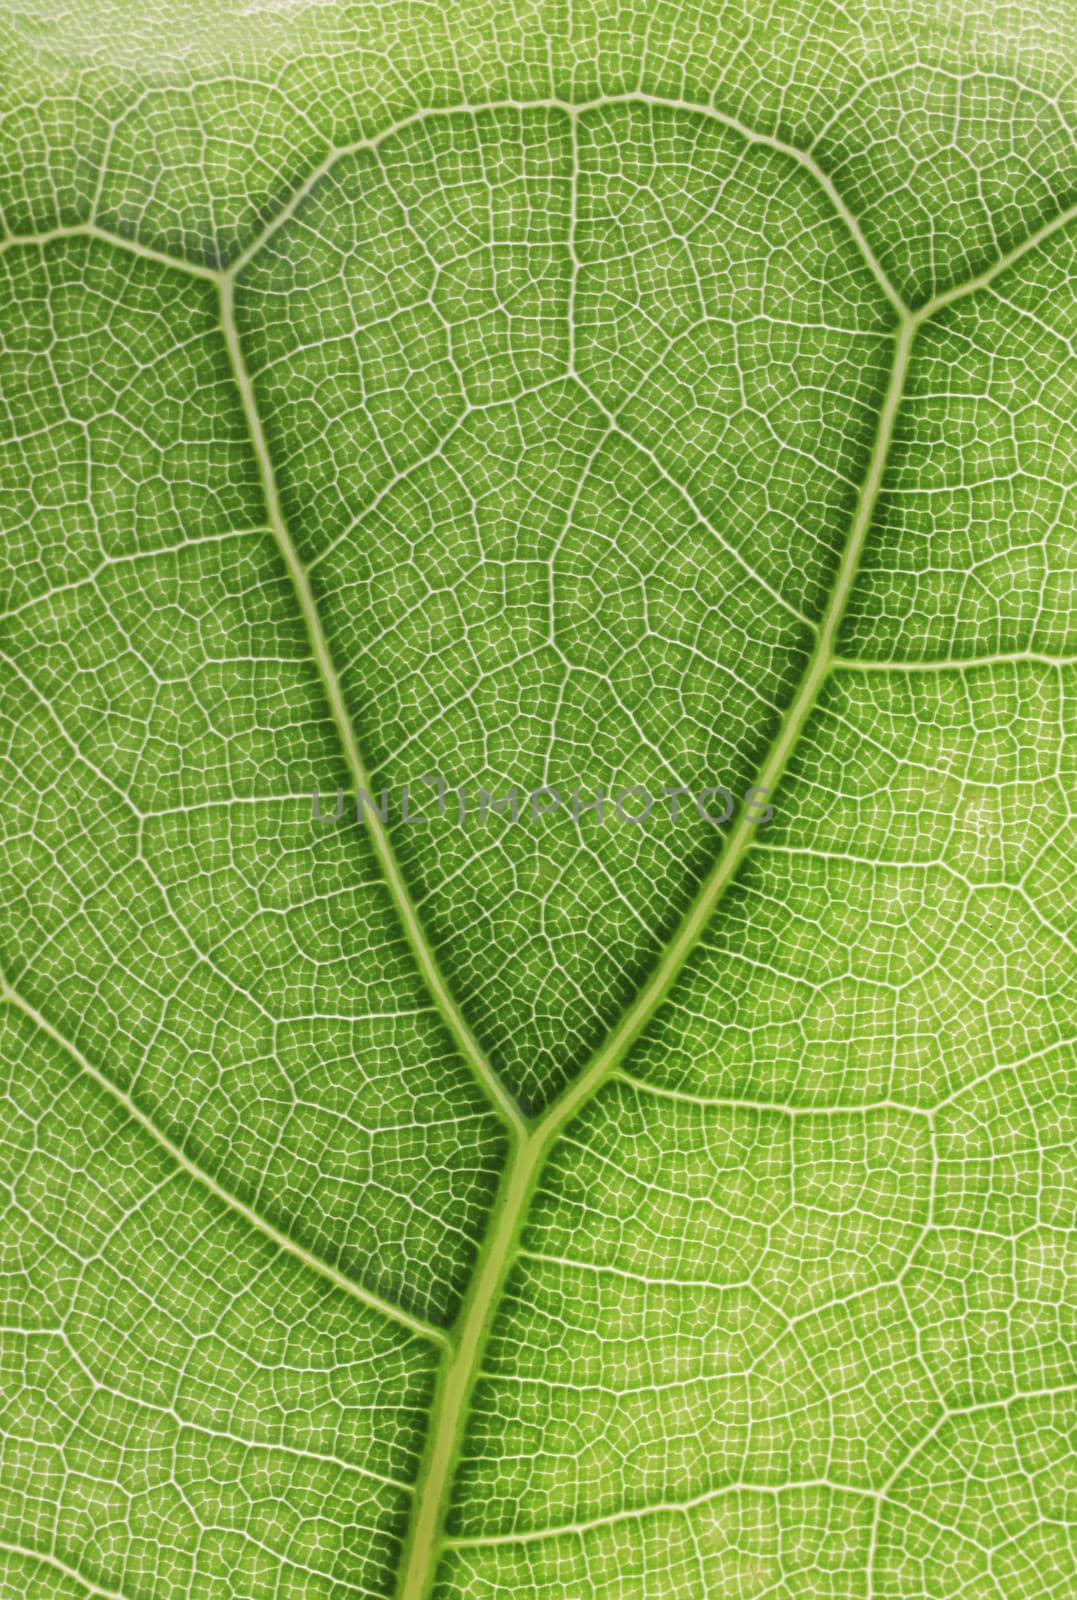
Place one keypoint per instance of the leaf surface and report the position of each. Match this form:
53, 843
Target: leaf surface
618, 399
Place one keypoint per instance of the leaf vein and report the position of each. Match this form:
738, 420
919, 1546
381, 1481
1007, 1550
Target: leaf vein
290, 1246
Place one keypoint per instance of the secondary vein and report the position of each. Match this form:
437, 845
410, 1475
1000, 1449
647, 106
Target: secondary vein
72, 1574
650, 997
406, 912
324, 1269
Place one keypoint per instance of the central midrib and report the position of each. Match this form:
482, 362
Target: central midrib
461, 1365
529, 1142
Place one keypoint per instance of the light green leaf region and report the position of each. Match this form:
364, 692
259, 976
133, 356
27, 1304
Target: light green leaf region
612, 396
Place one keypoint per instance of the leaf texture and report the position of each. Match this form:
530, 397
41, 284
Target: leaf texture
635, 398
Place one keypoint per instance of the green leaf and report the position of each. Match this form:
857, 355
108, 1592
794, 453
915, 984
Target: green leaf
626, 398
